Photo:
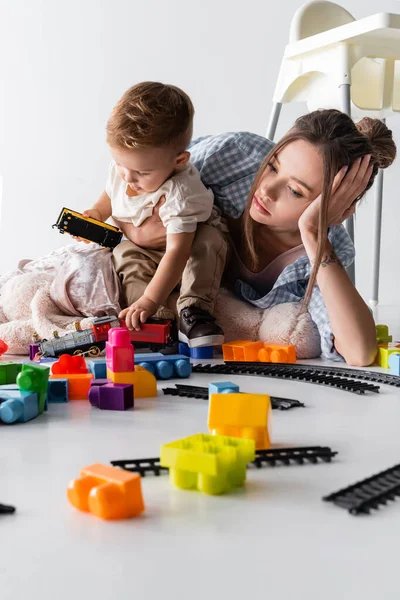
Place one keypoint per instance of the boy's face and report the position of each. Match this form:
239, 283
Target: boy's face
146, 170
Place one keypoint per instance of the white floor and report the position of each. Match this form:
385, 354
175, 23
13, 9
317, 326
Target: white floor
273, 539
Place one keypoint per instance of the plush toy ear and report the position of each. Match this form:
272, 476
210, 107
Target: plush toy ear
288, 323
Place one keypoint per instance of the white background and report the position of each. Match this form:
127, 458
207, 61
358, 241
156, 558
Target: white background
64, 65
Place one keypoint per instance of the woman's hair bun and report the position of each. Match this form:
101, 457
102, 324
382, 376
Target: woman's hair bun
380, 139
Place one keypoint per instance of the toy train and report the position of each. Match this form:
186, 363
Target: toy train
88, 229
155, 334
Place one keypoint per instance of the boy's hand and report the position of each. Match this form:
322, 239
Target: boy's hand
138, 312
93, 214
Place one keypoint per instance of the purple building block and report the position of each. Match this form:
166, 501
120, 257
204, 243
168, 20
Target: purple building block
33, 350
99, 382
112, 396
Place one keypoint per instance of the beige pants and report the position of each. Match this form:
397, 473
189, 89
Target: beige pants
201, 277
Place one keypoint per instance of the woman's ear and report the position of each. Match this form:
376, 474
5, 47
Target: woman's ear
182, 159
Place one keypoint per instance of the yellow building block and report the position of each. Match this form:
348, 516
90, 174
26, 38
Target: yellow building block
144, 382
210, 464
384, 351
241, 415
277, 353
242, 350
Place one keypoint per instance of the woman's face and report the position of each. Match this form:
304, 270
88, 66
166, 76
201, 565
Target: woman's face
291, 181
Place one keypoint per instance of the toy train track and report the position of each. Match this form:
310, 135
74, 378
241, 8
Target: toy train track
195, 391
286, 456
368, 494
307, 373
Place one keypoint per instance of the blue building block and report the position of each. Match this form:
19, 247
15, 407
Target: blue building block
165, 366
223, 387
57, 390
202, 352
18, 407
9, 387
98, 368
394, 364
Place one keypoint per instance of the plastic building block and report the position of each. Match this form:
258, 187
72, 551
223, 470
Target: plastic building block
69, 365
144, 382
9, 372
34, 378
112, 396
210, 464
119, 350
98, 368
165, 366
3, 347
384, 351
382, 334
277, 353
127, 377
99, 382
78, 385
240, 415
241, 350
107, 492
223, 387
16, 406
393, 362
199, 353
57, 390
33, 350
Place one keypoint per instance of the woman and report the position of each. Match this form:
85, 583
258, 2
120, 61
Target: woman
289, 236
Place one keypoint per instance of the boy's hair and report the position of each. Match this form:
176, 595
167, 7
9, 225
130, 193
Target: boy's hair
151, 115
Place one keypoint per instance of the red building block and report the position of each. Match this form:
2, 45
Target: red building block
68, 365
119, 350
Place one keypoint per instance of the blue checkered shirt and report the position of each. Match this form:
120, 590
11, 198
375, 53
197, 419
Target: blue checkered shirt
228, 164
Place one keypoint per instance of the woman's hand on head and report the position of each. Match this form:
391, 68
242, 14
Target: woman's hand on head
347, 186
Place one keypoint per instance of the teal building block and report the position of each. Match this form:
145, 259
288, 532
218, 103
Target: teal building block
223, 387
57, 390
18, 407
98, 368
34, 378
394, 364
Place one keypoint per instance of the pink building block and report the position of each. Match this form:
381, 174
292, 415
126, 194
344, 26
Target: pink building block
119, 351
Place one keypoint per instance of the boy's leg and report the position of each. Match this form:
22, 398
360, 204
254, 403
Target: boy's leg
135, 267
200, 285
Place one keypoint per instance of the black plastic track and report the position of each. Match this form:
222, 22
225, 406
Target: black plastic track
142, 466
285, 456
307, 373
289, 455
368, 494
195, 391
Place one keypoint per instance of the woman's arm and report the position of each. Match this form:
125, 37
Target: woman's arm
352, 324
168, 274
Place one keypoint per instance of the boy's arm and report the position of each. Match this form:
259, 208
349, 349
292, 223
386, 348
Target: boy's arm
101, 210
168, 274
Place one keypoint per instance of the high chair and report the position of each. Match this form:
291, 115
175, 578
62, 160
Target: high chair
335, 61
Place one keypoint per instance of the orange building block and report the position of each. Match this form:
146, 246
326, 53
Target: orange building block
78, 384
277, 353
241, 415
242, 350
107, 492
144, 382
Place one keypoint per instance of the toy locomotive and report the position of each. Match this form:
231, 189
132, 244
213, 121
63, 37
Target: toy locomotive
88, 229
155, 334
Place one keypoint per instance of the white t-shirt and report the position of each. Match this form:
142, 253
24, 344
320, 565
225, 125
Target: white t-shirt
187, 201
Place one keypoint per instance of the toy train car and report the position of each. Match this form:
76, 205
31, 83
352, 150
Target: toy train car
88, 229
155, 334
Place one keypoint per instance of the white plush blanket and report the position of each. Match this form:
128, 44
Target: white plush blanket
78, 282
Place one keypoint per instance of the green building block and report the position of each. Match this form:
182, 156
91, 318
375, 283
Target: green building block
34, 378
382, 334
212, 464
9, 372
